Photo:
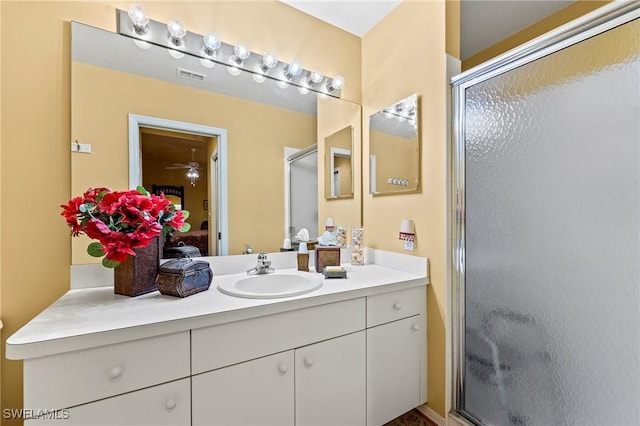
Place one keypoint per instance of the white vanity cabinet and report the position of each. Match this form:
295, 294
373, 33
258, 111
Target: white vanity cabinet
318, 377
137, 381
396, 354
166, 404
353, 352
257, 392
330, 382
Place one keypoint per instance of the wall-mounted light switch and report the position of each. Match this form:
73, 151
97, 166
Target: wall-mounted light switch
84, 148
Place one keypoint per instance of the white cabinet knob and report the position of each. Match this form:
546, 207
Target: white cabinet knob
415, 327
283, 369
397, 306
308, 362
115, 373
170, 404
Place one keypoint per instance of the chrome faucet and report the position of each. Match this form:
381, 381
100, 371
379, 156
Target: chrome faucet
263, 266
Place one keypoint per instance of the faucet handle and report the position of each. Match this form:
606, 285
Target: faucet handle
262, 256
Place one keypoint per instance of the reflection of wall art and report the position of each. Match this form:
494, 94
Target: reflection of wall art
205, 204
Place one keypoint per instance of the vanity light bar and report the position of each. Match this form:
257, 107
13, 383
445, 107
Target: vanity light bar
156, 33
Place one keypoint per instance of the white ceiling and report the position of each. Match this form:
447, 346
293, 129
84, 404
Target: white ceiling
483, 22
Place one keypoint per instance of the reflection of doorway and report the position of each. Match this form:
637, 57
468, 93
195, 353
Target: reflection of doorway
335, 189
340, 163
180, 137
301, 191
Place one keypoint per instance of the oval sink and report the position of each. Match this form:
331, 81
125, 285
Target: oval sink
269, 286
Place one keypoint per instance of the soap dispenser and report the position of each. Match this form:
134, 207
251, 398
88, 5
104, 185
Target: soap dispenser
303, 257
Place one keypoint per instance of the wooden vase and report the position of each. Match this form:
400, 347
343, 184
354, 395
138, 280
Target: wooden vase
137, 274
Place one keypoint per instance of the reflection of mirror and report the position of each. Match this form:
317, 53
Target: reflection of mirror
394, 148
259, 128
338, 181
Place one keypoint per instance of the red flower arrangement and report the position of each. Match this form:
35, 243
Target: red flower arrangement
122, 221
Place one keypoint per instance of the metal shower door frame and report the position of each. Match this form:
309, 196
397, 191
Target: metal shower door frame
603, 19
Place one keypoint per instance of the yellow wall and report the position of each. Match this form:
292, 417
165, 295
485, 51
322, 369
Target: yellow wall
392, 70
334, 115
253, 151
36, 119
569, 13
452, 14
397, 157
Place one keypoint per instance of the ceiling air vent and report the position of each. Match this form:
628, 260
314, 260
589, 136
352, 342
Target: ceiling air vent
191, 75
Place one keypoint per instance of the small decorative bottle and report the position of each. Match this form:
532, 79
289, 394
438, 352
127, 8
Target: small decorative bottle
341, 236
357, 248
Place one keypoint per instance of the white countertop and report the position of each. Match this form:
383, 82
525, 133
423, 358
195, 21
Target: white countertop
90, 317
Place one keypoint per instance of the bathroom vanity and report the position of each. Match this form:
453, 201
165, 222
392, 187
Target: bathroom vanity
351, 352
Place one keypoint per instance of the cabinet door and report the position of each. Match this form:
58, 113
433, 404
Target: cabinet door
393, 369
330, 382
257, 392
166, 404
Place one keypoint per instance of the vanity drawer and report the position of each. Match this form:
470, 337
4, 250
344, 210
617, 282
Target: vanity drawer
72, 378
387, 307
231, 343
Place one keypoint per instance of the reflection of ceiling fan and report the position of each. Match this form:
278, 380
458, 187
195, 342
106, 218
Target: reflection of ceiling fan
192, 168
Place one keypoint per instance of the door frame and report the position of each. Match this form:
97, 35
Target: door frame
135, 162
290, 155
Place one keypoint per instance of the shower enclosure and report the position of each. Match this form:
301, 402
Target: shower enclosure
547, 231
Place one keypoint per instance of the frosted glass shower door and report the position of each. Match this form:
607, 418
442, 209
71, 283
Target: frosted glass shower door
551, 161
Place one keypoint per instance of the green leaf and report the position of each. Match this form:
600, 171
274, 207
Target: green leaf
185, 213
108, 263
141, 189
101, 195
95, 250
185, 228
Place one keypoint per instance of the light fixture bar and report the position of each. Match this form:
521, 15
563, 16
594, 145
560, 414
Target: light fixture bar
157, 34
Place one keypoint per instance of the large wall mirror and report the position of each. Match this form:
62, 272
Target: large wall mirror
256, 127
338, 164
394, 148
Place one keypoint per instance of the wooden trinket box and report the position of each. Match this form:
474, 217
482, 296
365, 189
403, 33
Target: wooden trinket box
183, 277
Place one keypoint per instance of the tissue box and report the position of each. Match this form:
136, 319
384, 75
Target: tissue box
327, 256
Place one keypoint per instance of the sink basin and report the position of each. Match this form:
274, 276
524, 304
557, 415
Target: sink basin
271, 286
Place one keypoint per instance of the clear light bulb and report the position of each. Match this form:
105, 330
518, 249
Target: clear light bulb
294, 69
336, 83
314, 77
269, 60
138, 17
211, 43
241, 51
176, 29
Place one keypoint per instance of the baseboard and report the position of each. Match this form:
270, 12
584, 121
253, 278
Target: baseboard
431, 415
